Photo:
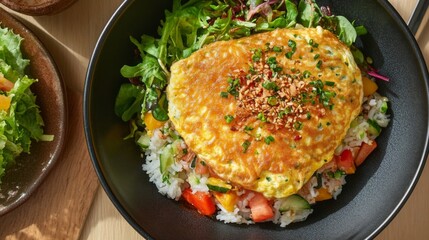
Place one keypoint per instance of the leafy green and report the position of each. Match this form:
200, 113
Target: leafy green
129, 101
21, 122
10, 50
346, 31
195, 23
309, 15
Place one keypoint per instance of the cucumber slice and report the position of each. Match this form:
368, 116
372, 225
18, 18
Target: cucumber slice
294, 202
374, 129
383, 108
143, 141
217, 185
166, 158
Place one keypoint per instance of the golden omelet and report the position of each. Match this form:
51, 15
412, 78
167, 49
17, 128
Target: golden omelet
265, 112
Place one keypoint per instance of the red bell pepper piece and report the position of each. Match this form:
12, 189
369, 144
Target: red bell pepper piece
202, 201
364, 152
345, 162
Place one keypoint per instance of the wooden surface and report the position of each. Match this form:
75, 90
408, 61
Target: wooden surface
59, 207
70, 36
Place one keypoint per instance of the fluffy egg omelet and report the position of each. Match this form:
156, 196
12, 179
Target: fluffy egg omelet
264, 112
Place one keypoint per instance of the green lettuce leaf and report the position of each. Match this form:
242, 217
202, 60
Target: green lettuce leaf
10, 50
21, 123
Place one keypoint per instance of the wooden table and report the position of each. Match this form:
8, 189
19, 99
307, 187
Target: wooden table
71, 36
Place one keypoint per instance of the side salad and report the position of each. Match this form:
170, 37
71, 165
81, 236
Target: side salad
20, 119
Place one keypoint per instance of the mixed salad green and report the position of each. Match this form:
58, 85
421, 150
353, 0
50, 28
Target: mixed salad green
195, 23
20, 119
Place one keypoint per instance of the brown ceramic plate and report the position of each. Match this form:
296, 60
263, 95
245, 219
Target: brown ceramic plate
37, 7
30, 169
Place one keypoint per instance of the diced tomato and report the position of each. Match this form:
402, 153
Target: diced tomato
346, 162
364, 152
202, 201
5, 85
260, 208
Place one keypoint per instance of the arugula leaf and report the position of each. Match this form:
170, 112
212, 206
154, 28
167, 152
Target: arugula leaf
129, 101
308, 16
291, 13
346, 31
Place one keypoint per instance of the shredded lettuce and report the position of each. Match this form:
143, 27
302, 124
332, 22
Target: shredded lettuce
190, 26
20, 122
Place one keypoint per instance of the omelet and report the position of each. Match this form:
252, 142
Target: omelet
264, 112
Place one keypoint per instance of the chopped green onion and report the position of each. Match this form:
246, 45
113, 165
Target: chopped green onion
257, 55
248, 129
277, 49
289, 55
272, 100
383, 108
272, 62
292, 44
261, 117
298, 125
224, 94
270, 85
329, 83
319, 64
245, 145
306, 74
269, 140
229, 118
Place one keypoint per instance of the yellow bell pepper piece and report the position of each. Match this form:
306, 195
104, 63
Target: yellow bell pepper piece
5, 102
150, 122
323, 195
369, 86
227, 200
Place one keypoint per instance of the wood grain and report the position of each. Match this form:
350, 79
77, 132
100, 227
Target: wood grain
59, 207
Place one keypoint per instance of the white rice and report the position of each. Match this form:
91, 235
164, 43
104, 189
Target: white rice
232, 217
197, 182
357, 134
172, 187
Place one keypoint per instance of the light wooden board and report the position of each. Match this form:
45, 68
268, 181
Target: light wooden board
59, 208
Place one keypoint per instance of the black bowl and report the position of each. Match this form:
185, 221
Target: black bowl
369, 201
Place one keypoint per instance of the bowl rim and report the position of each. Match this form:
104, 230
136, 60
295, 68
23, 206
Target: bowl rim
385, 4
